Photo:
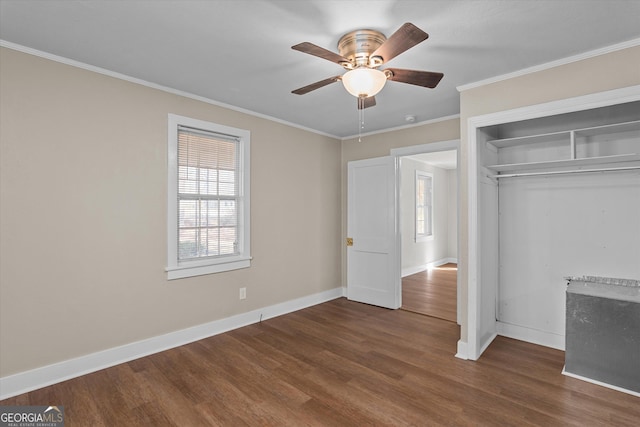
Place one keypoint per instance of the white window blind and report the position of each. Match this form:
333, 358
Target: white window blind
208, 194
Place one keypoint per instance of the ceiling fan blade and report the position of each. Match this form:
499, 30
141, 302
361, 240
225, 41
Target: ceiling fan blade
419, 78
320, 52
316, 85
403, 39
366, 102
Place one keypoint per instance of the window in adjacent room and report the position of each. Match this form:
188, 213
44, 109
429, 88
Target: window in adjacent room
208, 198
424, 206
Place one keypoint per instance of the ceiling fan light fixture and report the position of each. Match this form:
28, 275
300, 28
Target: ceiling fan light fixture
364, 82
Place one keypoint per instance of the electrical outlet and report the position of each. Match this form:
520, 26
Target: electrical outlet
243, 293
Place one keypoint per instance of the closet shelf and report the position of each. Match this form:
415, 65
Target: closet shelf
544, 137
618, 158
562, 172
566, 135
607, 129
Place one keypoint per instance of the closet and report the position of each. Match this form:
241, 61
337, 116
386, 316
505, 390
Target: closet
558, 196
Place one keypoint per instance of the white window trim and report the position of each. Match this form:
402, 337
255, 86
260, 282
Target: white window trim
423, 237
179, 270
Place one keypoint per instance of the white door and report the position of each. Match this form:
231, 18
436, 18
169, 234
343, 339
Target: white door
373, 267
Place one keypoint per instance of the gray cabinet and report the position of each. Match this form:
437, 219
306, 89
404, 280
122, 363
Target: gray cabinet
603, 333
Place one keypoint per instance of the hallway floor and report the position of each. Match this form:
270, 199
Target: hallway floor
432, 292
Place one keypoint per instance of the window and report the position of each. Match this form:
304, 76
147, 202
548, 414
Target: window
424, 206
208, 198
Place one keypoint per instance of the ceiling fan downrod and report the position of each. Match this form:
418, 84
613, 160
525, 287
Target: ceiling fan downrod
357, 46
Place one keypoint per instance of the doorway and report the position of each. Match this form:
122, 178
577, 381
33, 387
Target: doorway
429, 261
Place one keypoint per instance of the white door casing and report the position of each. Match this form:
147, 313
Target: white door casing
373, 265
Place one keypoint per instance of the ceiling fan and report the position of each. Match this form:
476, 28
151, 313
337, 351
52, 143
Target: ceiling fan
361, 52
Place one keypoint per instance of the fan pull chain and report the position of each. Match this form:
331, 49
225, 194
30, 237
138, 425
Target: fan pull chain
360, 124
360, 118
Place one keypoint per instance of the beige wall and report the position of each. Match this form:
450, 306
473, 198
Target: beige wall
83, 215
597, 74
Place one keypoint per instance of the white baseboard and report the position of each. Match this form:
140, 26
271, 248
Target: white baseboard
600, 383
534, 336
462, 350
546, 339
23, 382
485, 345
417, 269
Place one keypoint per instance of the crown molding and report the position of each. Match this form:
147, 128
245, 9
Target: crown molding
412, 125
564, 61
130, 79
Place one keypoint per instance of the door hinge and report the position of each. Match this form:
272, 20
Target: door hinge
349, 241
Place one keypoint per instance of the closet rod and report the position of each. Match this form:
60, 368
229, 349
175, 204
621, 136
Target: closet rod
512, 175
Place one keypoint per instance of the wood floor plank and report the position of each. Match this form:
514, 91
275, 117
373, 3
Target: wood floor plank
150, 414
80, 406
432, 292
340, 363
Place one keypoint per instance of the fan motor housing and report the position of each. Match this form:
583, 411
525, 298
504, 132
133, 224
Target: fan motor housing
357, 46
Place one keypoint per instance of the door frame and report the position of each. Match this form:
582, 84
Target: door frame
432, 147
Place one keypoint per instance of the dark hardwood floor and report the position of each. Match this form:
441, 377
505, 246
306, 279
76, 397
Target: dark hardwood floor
432, 292
340, 363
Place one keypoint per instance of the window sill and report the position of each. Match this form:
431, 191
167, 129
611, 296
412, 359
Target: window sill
198, 269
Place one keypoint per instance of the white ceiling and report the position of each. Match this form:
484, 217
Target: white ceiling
237, 52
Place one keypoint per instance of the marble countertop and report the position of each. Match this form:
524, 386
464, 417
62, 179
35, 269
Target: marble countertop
605, 287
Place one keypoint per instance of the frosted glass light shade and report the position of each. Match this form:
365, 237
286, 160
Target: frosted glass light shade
364, 82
